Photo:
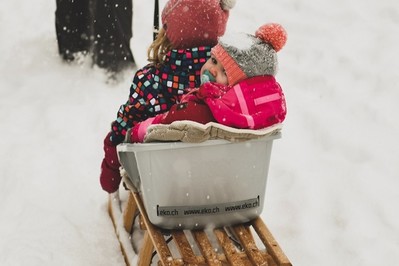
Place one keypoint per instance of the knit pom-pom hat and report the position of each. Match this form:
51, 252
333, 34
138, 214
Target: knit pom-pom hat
193, 23
247, 55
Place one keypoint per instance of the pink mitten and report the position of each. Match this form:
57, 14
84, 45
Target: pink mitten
137, 133
110, 177
212, 90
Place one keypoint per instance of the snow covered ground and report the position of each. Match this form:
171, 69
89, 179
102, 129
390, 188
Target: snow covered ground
332, 192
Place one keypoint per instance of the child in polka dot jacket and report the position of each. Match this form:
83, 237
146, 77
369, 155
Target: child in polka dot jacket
189, 30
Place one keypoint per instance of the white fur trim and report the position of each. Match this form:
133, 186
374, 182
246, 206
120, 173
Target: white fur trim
256, 132
227, 4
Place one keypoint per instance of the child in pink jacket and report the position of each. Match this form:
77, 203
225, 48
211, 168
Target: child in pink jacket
238, 88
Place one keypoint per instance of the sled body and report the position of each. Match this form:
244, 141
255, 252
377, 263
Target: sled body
193, 186
195, 204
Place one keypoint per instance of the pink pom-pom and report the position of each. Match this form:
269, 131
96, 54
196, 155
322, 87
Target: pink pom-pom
274, 34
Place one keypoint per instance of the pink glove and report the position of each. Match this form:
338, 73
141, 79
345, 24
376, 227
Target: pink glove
212, 90
190, 95
138, 132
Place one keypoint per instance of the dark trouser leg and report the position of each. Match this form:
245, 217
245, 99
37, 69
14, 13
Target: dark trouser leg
72, 21
112, 33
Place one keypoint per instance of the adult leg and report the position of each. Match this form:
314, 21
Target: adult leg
72, 22
112, 33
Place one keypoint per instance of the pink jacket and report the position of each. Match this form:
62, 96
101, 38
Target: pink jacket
253, 103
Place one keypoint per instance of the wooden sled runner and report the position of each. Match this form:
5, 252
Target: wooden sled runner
180, 235
240, 251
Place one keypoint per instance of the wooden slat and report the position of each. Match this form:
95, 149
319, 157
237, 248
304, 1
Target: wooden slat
252, 256
184, 247
271, 244
247, 241
206, 248
112, 213
141, 222
229, 249
157, 238
146, 250
129, 214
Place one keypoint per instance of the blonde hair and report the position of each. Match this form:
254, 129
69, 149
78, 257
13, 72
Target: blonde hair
159, 48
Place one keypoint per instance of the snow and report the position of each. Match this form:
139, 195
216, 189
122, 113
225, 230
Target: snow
332, 191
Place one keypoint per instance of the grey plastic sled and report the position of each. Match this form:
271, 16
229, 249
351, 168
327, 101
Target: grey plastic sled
206, 197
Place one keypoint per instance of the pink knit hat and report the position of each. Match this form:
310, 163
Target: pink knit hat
244, 56
193, 23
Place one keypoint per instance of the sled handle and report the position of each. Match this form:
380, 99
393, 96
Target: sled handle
156, 20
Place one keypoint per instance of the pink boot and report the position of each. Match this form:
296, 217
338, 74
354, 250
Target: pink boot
110, 177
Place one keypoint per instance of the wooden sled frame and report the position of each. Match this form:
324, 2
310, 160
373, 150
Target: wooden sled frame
236, 244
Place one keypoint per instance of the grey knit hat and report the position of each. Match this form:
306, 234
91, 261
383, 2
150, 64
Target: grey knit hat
251, 55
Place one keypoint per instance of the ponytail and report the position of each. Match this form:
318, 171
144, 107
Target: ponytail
159, 48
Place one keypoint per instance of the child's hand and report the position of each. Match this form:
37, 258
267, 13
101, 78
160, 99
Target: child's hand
212, 90
137, 133
190, 95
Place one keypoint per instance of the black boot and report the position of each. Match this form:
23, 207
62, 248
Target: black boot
112, 31
72, 21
